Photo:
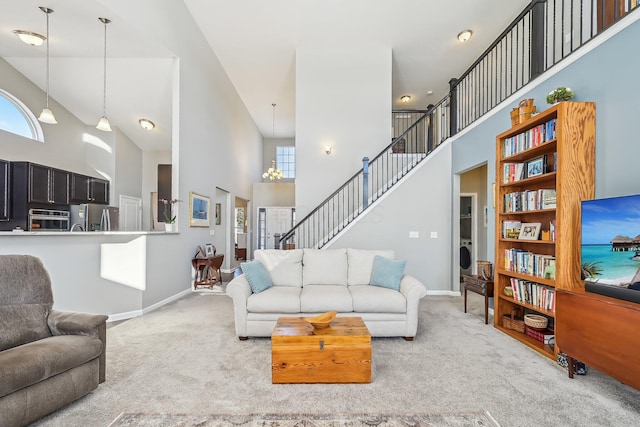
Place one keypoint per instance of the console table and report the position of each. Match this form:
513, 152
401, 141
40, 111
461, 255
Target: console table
479, 286
207, 271
601, 332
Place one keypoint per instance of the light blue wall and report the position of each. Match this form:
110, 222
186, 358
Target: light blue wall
607, 75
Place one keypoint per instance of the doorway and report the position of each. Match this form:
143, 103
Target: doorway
468, 233
130, 213
241, 221
272, 221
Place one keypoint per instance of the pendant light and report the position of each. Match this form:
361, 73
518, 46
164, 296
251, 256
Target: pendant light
273, 122
103, 124
47, 115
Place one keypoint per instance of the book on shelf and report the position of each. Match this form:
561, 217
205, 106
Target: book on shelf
513, 172
511, 229
533, 293
525, 262
529, 200
548, 198
530, 138
552, 230
545, 336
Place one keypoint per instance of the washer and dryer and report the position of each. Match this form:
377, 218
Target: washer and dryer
466, 233
466, 255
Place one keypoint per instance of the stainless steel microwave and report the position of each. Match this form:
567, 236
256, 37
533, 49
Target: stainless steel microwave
48, 220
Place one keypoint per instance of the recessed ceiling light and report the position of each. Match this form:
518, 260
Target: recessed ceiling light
33, 39
146, 124
405, 98
464, 35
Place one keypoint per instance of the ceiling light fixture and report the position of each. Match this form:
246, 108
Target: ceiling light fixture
464, 35
327, 149
146, 124
103, 124
46, 116
405, 98
33, 39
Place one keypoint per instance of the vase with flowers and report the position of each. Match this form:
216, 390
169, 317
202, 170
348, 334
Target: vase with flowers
169, 217
560, 94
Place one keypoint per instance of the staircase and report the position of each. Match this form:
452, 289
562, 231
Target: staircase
540, 37
422, 134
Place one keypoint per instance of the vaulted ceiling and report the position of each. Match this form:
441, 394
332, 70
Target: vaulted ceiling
255, 41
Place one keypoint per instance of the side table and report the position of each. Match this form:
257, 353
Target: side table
207, 271
479, 286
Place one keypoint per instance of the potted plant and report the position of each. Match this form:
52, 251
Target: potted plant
589, 270
169, 218
560, 94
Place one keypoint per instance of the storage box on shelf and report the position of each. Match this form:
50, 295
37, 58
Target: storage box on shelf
544, 168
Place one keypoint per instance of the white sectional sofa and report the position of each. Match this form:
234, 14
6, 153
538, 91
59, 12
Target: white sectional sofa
310, 281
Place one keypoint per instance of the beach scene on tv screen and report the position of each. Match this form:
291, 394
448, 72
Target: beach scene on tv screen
611, 240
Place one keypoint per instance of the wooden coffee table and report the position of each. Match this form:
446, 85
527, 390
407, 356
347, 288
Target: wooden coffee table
340, 353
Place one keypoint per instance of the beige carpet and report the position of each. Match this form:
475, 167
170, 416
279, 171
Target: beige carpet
471, 419
184, 358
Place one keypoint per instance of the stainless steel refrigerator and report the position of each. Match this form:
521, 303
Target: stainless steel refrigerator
94, 217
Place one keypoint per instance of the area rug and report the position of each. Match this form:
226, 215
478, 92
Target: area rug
480, 419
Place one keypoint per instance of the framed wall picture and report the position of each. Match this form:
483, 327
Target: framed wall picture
198, 210
218, 217
530, 231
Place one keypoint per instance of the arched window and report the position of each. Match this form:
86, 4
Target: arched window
16, 118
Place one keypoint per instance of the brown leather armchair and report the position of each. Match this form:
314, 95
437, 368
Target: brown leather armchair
48, 358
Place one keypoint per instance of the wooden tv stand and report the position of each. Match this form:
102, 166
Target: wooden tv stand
601, 332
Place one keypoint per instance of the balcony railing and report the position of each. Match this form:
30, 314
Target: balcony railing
542, 35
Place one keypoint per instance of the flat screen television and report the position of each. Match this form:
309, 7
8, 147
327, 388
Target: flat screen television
611, 246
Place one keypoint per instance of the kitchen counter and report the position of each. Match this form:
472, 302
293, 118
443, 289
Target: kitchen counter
84, 233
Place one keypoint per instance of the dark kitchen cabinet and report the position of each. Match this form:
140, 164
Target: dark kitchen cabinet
86, 189
4, 190
44, 185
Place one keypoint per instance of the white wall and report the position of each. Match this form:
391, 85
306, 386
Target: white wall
422, 203
343, 98
128, 168
67, 145
216, 144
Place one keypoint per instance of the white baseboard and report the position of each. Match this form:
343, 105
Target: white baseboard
131, 314
124, 316
447, 293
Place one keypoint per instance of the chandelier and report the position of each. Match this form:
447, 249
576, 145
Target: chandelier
272, 173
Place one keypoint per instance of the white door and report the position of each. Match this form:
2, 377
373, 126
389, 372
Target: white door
130, 213
279, 220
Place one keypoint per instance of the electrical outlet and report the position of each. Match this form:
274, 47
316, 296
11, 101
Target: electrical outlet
212, 232
434, 234
414, 235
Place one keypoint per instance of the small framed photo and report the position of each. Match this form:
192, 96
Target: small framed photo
536, 166
530, 231
210, 250
218, 214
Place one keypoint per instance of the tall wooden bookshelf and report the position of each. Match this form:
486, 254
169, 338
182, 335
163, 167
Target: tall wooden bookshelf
566, 147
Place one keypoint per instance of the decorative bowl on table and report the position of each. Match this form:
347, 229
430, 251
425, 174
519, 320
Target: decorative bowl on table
536, 321
323, 320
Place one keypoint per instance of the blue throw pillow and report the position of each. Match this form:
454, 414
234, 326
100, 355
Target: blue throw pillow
257, 275
387, 272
